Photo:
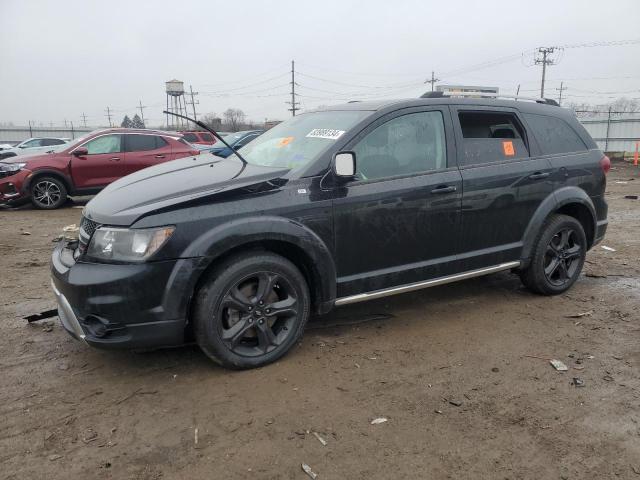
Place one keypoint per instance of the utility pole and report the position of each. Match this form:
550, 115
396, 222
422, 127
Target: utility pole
108, 110
73, 133
433, 80
193, 103
561, 89
141, 108
544, 60
293, 102
84, 120
606, 140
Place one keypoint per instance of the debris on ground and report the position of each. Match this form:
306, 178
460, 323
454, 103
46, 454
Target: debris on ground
54, 457
580, 315
378, 421
320, 439
455, 403
307, 469
25, 233
577, 382
438, 411
608, 249
558, 365
42, 315
631, 197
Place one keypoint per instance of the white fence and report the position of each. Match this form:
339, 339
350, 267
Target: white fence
615, 132
15, 135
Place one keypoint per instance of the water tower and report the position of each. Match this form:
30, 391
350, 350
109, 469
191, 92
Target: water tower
176, 104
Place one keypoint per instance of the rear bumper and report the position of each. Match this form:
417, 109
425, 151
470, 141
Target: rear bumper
123, 306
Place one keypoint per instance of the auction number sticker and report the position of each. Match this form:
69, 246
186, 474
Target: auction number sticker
507, 147
327, 133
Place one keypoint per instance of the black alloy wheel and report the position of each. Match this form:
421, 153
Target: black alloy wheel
562, 257
48, 193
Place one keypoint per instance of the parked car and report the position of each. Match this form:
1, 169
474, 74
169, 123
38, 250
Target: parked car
32, 146
199, 138
86, 165
331, 208
236, 140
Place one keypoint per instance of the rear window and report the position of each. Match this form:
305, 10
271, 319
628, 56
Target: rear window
554, 134
139, 143
491, 137
190, 137
207, 137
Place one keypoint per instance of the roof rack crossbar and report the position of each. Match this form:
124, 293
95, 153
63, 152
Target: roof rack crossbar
546, 101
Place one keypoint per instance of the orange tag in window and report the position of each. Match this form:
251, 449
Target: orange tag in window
285, 141
508, 149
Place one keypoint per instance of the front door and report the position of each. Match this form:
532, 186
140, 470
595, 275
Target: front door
397, 222
103, 164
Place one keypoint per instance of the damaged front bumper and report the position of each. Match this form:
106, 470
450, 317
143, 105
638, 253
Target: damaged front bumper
140, 305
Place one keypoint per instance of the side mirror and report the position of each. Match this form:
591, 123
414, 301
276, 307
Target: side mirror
344, 164
81, 152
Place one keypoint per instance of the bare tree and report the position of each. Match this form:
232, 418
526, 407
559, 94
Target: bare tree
212, 121
234, 118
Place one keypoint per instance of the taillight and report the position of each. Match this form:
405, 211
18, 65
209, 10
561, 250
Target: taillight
605, 164
195, 152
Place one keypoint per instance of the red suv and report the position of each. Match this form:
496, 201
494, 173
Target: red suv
86, 165
198, 137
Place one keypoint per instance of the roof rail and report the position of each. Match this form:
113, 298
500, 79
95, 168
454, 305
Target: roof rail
546, 101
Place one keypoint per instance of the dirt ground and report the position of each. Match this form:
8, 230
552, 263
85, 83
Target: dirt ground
459, 371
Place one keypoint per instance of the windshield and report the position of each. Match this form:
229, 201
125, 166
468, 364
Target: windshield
232, 138
301, 139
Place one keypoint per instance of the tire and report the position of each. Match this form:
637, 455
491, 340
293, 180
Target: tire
233, 328
48, 193
558, 256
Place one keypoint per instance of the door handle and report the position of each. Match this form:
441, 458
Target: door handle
115, 159
444, 189
539, 175
160, 156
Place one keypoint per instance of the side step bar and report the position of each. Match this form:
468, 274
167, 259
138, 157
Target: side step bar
363, 297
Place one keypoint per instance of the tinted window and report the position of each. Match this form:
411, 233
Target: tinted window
408, 144
490, 137
207, 137
190, 137
140, 143
104, 144
51, 141
554, 134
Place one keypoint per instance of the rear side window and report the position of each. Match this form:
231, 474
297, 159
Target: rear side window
207, 137
46, 142
491, 137
140, 143
554, 134
190, 137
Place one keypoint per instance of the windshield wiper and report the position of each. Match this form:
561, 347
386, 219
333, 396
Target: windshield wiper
211, 130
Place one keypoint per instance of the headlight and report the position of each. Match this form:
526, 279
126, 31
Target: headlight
127, 245
12, 167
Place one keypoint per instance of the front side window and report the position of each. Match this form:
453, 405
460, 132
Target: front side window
490, 137
405, 145
104, 144
31, 143
554, 135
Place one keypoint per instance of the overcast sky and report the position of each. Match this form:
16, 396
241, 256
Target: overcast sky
61, 58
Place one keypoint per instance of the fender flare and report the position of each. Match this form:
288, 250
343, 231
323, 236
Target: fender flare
236, 233
48, 172
555, 201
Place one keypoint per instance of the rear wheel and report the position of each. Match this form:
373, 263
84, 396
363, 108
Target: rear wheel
558, 256
251, 310
48, 193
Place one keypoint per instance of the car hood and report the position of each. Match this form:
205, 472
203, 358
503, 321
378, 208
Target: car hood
33, 160
170, 184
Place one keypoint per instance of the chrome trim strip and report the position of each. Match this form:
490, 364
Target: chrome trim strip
361, 297
67, 313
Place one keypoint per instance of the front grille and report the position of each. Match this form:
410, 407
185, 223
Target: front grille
88, 226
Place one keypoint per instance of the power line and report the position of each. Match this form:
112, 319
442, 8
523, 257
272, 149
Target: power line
544, 60
141, 108
561, 89
293, 103
109, 116
84, 119
433, 80
193, 103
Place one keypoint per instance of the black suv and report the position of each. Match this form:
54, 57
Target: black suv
329, 208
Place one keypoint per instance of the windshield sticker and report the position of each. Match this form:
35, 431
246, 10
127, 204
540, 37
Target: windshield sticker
285, 141
327, 133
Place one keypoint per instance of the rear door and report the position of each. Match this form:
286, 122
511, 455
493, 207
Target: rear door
399, 220
503, 184
144, 150
102, 165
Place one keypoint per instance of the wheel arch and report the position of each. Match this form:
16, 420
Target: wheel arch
49, 173
571, 201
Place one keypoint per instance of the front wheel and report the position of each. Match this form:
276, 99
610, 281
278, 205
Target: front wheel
48, 193
251, 310
558, 256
